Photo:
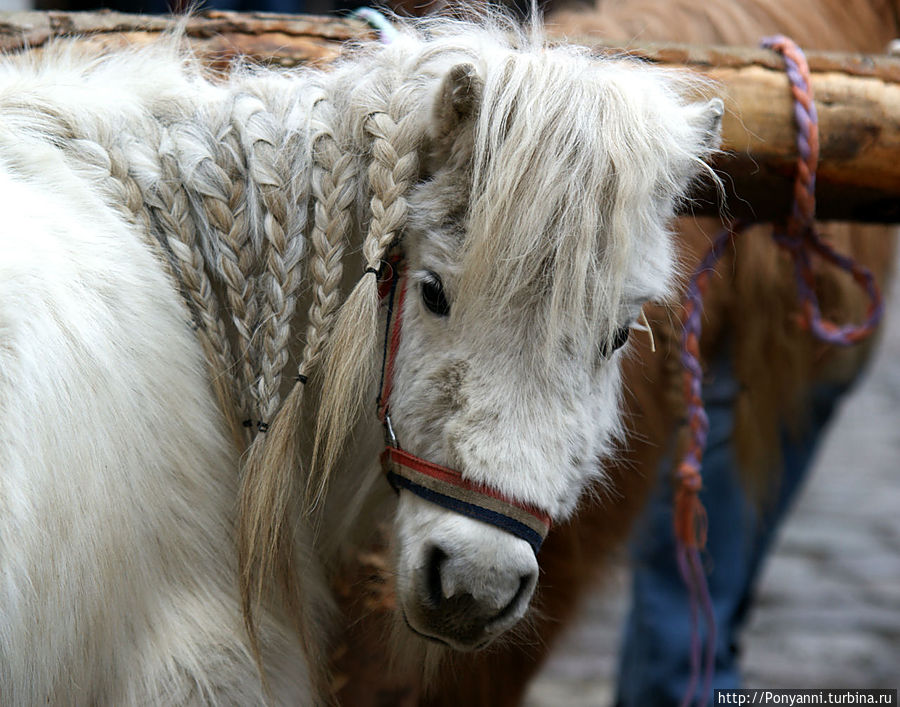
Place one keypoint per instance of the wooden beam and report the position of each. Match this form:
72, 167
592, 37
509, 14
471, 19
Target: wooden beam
857, 97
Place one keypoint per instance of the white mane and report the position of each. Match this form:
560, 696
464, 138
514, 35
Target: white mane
251, 192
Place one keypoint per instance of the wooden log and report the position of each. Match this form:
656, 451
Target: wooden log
218, 37
857, 97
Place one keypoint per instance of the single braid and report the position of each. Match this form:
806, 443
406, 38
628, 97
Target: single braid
334, 186
394, 167
284, 245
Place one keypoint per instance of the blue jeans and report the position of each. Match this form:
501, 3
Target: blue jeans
654, 669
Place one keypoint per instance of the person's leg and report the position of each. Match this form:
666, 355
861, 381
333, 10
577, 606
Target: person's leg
655, 667
798, 449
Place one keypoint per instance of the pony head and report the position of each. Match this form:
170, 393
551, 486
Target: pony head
527, 189
534, 186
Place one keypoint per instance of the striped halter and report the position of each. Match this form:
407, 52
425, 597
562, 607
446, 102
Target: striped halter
434, 483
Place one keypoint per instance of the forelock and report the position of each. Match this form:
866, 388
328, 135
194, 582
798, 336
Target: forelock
574, 158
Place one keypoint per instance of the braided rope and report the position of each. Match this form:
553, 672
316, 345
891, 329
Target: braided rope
800, 239
690, 516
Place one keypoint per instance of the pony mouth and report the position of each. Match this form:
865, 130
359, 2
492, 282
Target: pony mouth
445, 642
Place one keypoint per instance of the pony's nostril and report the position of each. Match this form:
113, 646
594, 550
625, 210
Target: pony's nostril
433, 583
526, 582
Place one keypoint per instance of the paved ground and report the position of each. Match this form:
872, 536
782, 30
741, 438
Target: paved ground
828, 610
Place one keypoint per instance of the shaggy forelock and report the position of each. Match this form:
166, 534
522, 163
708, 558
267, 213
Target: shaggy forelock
574, 158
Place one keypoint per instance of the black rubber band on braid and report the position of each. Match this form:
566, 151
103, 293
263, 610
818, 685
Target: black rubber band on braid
302, 379
370, 270
260, 425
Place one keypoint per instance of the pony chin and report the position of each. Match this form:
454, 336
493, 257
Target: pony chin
414, 655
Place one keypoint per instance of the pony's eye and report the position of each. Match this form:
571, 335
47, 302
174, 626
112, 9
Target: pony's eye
620, 338
433, 295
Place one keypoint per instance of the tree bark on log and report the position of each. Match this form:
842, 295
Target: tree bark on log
857, 98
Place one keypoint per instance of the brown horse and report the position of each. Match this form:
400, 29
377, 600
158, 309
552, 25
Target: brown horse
750, 309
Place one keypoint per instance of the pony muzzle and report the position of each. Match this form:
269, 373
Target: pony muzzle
460, 582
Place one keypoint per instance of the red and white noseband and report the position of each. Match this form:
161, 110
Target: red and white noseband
434, 483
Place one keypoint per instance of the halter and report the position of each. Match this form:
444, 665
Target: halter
434, 483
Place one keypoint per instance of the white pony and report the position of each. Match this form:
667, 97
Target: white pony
172, 498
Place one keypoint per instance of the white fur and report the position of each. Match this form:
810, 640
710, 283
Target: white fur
545, 216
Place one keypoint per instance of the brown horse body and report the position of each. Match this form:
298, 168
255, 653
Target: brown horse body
750, 309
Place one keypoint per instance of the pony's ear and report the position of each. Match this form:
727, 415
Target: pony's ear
706, 121
704, 127
455, 106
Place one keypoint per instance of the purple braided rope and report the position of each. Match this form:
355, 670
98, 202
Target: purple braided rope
837, 335
806, 118
690, 566
800, 237
693, 324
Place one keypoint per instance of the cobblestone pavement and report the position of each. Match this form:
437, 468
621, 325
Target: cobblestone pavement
828, 606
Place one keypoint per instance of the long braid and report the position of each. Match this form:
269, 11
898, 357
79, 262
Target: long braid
334, 187
238, 249
284, 245
396, 137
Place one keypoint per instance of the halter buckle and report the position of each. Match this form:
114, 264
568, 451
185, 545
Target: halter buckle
390, 439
